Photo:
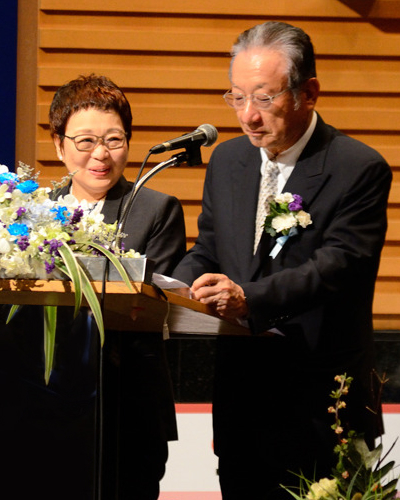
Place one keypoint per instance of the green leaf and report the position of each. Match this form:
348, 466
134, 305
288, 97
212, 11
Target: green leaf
369, 458
383, 471
116, 263
50, 322
93, 302
11, 313
274, 211
389, 489
86, 289
294, 495
73, 271
285, 208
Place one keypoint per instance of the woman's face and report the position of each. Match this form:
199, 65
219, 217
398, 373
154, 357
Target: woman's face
97, 171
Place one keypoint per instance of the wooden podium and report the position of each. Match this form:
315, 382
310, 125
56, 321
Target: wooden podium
151, 307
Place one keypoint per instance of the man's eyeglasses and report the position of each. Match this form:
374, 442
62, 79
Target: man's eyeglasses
259, 101
88, 142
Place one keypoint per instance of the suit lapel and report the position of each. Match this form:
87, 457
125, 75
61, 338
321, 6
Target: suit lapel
307, 177
245, 181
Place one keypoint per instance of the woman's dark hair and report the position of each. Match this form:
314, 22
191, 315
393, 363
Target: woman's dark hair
97, 92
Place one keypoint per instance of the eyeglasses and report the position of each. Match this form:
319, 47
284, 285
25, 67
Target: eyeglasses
89, 142
259, 101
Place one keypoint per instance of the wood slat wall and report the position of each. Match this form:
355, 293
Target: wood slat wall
171, 59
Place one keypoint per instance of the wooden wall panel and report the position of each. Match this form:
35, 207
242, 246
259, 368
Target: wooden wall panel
212, 7
172, 58
319, 8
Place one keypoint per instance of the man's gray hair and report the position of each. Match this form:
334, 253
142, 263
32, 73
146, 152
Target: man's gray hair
291, 41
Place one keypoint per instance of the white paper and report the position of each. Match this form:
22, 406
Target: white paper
165, 282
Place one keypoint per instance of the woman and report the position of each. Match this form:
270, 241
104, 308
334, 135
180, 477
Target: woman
90, 123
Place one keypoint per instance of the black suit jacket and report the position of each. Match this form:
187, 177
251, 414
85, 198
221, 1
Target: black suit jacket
318, 291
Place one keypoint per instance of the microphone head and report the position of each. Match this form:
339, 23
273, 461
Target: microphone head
210, 132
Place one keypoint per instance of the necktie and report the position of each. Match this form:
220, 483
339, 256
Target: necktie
268, 187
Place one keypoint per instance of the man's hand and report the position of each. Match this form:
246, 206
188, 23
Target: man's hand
222, 294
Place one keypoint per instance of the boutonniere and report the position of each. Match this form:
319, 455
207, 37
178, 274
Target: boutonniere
284, 214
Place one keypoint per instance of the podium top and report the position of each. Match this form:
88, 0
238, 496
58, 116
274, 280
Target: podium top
151, 309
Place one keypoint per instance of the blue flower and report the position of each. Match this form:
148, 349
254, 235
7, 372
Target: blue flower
8, 176
28, 186
18, 229
62, 214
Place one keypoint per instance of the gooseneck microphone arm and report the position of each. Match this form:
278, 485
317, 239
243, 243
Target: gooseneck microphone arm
172, 162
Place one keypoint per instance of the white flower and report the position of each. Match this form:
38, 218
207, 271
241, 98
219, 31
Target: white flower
283, 222
303, 218
16, 265
4, 246
284, 198
132, 253
4, 194
324, 489
70, 201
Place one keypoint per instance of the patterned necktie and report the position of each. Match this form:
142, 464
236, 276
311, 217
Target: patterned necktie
268, 187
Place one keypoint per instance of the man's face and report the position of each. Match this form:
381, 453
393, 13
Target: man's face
264, 71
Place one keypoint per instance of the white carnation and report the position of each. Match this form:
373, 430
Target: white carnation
303, 218
284, 198
283, 222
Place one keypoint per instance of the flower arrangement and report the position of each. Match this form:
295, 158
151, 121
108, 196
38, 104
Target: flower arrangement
284, 214
41, 238
359, 473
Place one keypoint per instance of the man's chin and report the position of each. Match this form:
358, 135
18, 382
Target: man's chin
258, 141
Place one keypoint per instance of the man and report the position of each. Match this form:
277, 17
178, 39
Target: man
308, 305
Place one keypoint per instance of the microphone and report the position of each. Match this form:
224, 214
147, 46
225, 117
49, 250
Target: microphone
206, 133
